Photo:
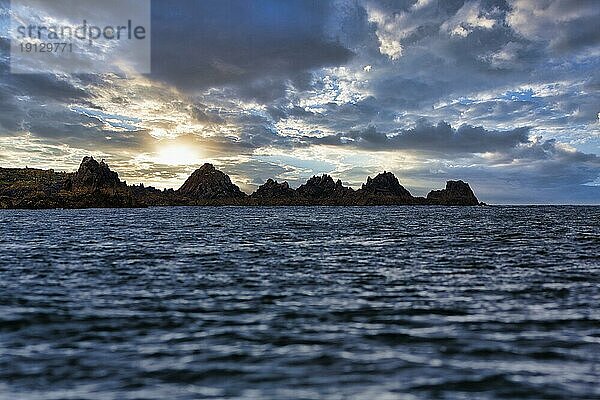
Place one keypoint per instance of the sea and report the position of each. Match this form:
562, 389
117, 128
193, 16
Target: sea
300, 303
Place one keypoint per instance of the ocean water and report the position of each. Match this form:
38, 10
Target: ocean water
301, 303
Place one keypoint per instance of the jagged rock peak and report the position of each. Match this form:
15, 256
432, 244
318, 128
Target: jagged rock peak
385, 184
207, 167
273, 190
209, 183
457, 193
323, 186
95, 175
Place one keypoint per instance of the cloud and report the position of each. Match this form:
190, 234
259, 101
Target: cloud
199, 44
541, 171
202, 114
440, 138
565, 24
466, 19
393, 27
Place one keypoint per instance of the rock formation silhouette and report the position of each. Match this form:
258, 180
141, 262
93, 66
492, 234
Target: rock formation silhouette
323, 187
272, 190
457, 193
96, 185
95, 175
208, 183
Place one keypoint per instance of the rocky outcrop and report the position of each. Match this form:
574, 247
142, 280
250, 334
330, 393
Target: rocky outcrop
272, 190
94, 175
17, 182
385, 184
384, 189
95, 185
323, 187
457, 193
208, 183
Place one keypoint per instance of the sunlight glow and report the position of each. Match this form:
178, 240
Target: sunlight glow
178, 155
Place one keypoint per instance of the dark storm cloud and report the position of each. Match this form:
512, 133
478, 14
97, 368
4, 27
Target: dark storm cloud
440, 138
33, 99
27, 99
40, 105
583, 34
263, 90
199, 44
411, 94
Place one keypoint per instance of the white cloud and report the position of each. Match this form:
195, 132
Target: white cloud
389, 32
506, 57
394, 27
466, 19
339, 86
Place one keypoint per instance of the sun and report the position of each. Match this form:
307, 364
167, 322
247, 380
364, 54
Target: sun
178, 155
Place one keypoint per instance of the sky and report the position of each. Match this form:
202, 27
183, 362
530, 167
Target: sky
504, 94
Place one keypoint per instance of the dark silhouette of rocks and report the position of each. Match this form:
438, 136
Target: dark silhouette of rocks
208, 183
323, 187
31, 188
385, 184
95, 175
95, 185
385, 189
272, 190
457, 193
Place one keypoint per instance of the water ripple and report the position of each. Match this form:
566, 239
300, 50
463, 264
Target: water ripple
300, 303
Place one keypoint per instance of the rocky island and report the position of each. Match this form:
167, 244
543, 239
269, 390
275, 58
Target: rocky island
95, 185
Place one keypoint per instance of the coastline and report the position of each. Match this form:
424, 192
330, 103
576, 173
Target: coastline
95, 185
